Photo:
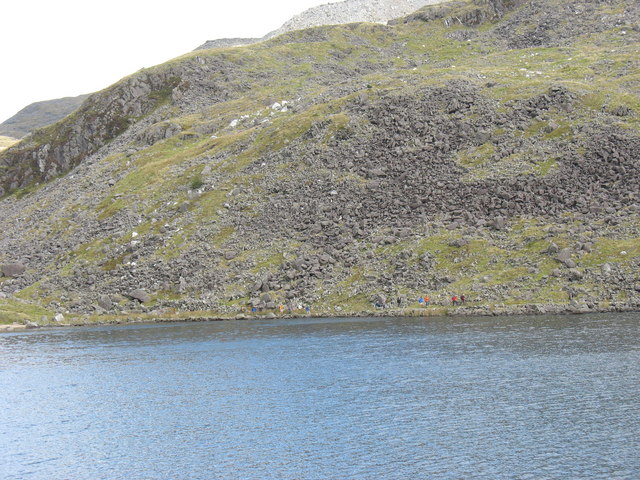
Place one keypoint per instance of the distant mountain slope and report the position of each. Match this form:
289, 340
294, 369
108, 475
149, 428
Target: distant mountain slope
39, 114
484, 147
347, 11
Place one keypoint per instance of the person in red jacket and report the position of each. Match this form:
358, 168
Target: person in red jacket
454, 300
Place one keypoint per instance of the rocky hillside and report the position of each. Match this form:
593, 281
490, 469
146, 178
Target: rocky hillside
347, 11
484, 147
38, 115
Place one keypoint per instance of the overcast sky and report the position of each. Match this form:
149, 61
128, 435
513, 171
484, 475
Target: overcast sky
53, 49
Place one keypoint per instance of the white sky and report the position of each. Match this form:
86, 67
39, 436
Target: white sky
63, 48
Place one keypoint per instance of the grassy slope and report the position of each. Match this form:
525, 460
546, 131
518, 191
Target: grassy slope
6, 142
415, 55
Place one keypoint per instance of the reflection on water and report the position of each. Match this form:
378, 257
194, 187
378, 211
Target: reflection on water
520, 397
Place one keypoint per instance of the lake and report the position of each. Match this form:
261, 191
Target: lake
553, 397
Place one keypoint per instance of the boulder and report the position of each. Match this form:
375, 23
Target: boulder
59, 318
12, 269
140, 295
565, 257
499, 223
575, 274
105, 302
459, 242
266, 298
553, 249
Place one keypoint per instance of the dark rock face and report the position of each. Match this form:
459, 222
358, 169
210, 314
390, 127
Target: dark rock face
12, 269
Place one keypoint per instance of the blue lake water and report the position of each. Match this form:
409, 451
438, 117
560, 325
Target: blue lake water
554, 397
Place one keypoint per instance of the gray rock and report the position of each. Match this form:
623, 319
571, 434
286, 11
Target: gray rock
499, 223
32, 325
266, 298
575, 274
256, 287
140, 295
459, 242
565, 257
541, 309
105, 302
59, 318
553, 249
565, 254
12, 269
182, 285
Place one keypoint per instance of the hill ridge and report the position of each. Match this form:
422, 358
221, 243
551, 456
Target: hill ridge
39, 114
346, 11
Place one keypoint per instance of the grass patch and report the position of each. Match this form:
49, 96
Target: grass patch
6, 142
545, 167
477, 156
196, 182
14, 311
610, 250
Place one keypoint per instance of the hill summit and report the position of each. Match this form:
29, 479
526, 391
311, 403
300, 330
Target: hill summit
347, 11
487, 148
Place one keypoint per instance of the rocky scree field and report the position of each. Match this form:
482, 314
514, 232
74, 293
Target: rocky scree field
486, 148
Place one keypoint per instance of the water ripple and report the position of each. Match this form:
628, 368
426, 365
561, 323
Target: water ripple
497, 398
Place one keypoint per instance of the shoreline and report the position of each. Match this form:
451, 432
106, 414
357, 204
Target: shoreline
458, 311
